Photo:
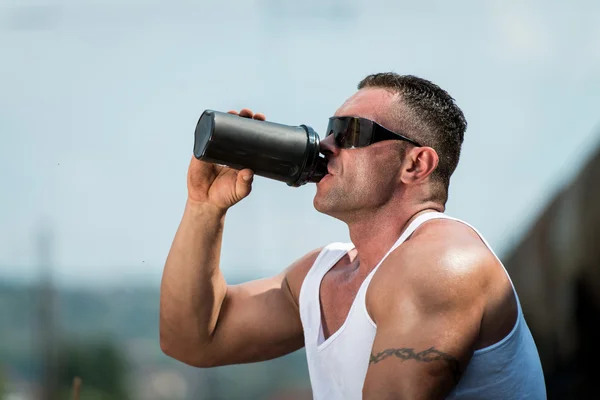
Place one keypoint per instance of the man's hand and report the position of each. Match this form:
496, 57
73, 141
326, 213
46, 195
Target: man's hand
217, 185
428, 308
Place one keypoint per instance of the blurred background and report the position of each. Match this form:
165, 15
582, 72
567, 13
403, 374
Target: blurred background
98, 104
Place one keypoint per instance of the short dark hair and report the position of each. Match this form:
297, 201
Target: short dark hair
442, 122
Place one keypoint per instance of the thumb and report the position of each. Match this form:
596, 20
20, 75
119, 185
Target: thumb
243, 184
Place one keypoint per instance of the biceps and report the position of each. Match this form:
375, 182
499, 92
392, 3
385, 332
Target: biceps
258, 322
424, 361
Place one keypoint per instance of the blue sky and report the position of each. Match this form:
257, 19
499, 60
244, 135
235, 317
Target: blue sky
99, 100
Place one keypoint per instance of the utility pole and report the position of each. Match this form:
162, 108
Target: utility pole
46, 316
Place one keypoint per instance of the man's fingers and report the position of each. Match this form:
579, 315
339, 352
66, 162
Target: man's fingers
246, 175
243, 184
247, 113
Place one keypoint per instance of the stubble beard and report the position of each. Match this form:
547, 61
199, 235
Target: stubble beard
337, 203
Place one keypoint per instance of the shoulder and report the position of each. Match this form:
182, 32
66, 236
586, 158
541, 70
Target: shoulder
443, 264
294, 275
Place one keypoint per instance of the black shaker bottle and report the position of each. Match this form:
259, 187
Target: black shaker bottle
285, 153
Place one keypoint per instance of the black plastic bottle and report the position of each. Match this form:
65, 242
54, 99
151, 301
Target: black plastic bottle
285, 153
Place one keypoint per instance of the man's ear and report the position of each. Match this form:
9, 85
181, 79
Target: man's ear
418, 164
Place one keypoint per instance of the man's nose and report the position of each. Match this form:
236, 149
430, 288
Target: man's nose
328, 147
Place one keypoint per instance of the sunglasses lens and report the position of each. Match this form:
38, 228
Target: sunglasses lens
349, 132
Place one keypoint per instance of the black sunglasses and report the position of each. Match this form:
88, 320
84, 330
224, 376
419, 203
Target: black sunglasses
351, 132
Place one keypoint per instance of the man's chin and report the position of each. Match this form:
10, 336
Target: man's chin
324, 205
320, 204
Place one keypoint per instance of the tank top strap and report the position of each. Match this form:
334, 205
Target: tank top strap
328, 257
412, 227
308, 298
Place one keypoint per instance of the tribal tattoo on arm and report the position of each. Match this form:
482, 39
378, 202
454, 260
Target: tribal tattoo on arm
429, 355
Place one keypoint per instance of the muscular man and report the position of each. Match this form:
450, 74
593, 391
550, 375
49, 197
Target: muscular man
417, 306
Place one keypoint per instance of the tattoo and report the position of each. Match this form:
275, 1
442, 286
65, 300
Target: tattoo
428, 355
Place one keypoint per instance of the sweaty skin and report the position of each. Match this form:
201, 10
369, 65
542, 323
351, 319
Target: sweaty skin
435, 299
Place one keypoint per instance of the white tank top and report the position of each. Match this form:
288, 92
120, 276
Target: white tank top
509, 369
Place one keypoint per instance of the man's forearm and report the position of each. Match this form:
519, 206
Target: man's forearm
193, 287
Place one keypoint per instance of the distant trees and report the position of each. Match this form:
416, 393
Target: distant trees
101, 366
2, 393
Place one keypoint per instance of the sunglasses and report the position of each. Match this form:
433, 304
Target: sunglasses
352, 132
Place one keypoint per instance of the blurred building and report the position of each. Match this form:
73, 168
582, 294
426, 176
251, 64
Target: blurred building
556, 270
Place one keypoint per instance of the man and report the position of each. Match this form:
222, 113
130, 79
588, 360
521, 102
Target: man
416, 307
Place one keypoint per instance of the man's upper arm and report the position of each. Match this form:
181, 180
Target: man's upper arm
259, 320
427, 327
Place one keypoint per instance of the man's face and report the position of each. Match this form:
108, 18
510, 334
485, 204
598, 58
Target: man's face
364, 178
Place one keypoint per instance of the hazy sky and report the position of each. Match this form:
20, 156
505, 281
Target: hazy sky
99, 100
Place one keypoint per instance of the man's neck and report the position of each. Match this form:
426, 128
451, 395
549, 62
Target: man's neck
373, 236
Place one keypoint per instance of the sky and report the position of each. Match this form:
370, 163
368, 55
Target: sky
99, 101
